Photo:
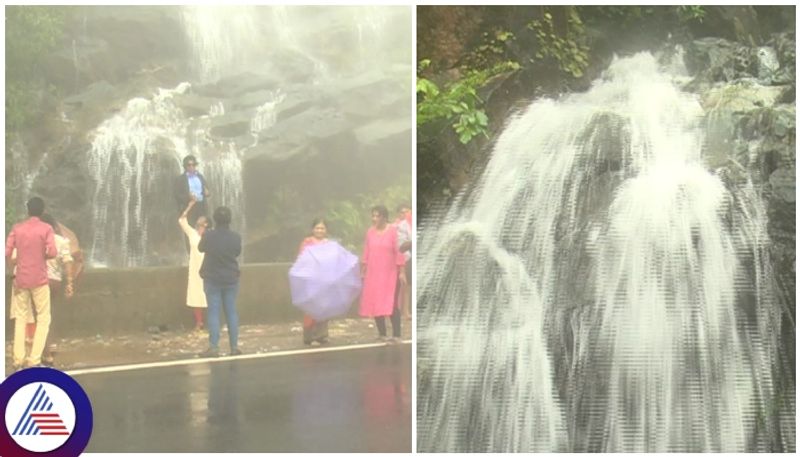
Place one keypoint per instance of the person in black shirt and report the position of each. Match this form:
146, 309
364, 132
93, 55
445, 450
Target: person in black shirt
220, 273
191, 183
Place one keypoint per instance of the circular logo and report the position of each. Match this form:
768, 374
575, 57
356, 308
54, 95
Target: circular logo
46, 412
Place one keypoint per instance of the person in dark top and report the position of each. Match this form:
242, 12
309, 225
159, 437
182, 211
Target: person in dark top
191, 182
220, 273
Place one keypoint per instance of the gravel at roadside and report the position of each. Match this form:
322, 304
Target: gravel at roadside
158, 346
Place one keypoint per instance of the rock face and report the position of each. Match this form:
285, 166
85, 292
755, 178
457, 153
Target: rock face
300, 126
748, 95
742, 65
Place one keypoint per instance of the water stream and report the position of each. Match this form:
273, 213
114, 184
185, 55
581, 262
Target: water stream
235, 53
600, 289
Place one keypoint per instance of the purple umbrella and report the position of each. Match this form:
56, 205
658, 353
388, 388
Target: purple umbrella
325, 280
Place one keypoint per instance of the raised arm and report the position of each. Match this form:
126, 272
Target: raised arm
182, 220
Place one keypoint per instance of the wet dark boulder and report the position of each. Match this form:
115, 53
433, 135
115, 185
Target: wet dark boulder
720, 60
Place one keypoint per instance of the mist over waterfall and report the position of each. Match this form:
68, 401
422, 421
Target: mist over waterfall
267, 99
601, 288
222, 38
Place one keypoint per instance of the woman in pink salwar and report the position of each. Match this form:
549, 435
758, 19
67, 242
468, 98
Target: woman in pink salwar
382, 265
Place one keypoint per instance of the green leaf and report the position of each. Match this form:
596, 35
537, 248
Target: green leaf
427, 87
504, 35
482, 118
423, 64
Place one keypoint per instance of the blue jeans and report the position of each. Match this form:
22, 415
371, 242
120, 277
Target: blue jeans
218, 296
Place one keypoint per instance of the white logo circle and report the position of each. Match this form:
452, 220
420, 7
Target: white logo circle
40, 417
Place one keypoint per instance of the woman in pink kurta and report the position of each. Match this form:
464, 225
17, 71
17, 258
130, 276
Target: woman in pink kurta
381, 267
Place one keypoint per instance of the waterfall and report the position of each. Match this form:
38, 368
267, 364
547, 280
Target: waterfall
136, 154
135, 157
265, 116
226, 175
370, 22
220, 37
599, 289
285, 25
127, 166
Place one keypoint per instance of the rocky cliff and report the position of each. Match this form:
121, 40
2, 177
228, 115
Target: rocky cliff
290, 111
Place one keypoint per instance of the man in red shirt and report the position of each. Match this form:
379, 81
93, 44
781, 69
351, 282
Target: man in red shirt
35, 243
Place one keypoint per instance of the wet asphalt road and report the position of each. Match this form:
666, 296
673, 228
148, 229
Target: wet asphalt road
347, 401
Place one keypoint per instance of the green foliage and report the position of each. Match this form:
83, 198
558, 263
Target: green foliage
458, 102
640, 15
492, 50
31, 32
624, 15
570, 50
688, 13
349, 219
19, 106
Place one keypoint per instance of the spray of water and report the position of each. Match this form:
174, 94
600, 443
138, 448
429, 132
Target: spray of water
593, 292
220, 37
124, 163
134, 159
265, 116
136, 154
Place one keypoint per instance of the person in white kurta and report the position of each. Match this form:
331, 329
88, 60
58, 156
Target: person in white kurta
195, 296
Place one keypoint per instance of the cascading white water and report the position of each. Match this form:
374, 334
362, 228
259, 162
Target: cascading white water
594, 291
360, 41
226, 174
136, 154
135, 157
370, 22
123, 163
679, 376
265, 116
287, 28
220, 38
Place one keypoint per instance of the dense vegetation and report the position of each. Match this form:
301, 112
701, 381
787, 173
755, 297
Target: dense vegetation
31, 32
559, 40
473, 49
349, 219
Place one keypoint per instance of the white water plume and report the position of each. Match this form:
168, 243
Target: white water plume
222, 38
592, 292
123, 163
134, 161
265, 115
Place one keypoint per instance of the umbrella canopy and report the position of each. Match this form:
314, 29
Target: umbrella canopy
325, 280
